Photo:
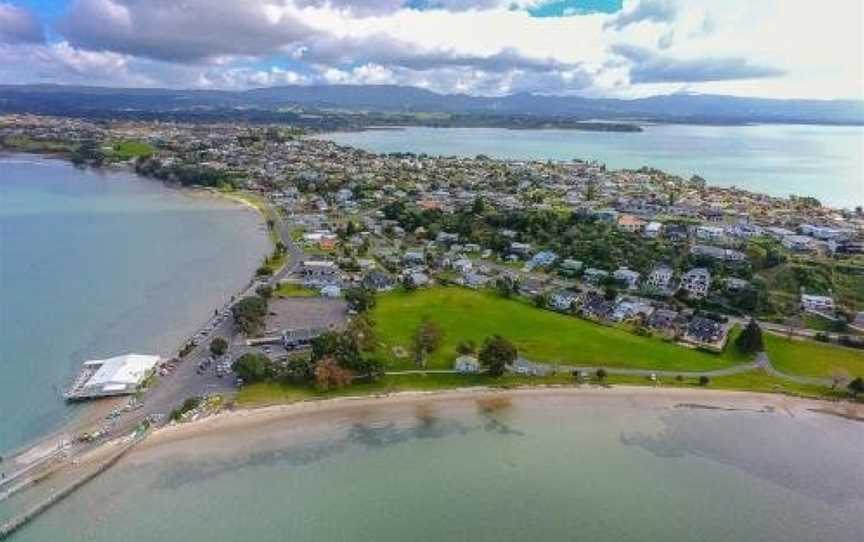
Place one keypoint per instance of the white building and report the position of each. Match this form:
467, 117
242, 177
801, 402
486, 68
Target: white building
660, 278
818, 303
627, 277
120, 375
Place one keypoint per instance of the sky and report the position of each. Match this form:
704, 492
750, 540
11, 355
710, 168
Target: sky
592, 48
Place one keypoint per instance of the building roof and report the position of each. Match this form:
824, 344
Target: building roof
118, 373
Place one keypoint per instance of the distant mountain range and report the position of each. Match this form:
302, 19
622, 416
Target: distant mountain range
390, 99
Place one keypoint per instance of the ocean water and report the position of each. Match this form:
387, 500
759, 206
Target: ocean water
826, 162
551, 467
94, 264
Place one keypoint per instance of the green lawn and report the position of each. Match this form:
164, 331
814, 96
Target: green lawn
811, 358
540, 335
269, 393
124, 150
287, 289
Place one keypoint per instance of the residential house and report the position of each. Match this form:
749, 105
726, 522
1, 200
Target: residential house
520, 249
798, 243
717, 253
466, 365
627, 278
542, 259
319, 272
594, 276
630, 308
663, 319
652, 230
817, 303
630, 223
710, 233
378, 281
595, 306
563, 300
706, 332
696, 282
660, 279
570, 267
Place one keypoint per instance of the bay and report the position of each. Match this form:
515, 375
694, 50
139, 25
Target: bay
600, 466
825, 162
100, 263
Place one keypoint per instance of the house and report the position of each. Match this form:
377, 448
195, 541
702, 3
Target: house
524, 367
676, 232
595, 306
466, 365
419, 279
570, 267
660, 279
820, 232
717, 253
444, 238
412, 257
462, 265
530, 287
475, 280
705, 332
520, 249
319, 272
627, 278
630, 223
696, 282
798, 243
845, 246
331, 291
594, 276
652, 230
542, 259
710, 233
562, 300
378, 281
663, 319
294, 338
817, 303
629, 308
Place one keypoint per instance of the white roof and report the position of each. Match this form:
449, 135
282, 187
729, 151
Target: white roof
121, 371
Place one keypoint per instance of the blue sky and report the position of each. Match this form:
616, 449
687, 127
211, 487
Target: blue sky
625, 48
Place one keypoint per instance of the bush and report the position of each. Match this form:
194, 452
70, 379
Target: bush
601, 374
704, 380
252, 367
218, 346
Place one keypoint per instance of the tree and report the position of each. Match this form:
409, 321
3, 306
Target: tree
506, 286
340, 346
541, 300
329, 375
496, 354
426, 340
249, 314
218, 346
856, 387
601, 374
360, 299
750, 340
362, 329
252, 367
265, 291
704, 380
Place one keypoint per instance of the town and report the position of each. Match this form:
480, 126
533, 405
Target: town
643, 252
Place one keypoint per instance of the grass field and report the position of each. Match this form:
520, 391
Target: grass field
811, 358
539, 335
124, 150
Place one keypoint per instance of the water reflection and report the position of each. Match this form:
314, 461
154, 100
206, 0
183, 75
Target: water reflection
772, 447
370, 435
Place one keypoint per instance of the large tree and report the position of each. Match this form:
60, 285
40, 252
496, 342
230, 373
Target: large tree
249, 314
360, 299
856, 387
750, 340
426, 341
496, 354
252, 367
329, 375
218, 346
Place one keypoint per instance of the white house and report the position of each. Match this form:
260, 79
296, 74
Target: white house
466, 365
818, 303
660, 278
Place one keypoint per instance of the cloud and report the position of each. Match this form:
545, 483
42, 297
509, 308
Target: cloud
649, 67
189, 31
656, 11
19, 25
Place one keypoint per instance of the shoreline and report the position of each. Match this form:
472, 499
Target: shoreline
29, 458
243, 419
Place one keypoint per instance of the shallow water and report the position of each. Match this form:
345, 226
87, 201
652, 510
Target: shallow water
826, 162
553, 467
94, 264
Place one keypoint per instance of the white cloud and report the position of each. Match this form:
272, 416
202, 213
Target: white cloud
780, 48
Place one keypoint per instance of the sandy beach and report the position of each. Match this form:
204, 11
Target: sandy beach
644, 397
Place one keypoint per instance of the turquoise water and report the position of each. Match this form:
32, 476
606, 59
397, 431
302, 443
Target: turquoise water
98, 264
826, 162
555, 467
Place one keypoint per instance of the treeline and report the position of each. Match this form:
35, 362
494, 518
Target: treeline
187, 175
